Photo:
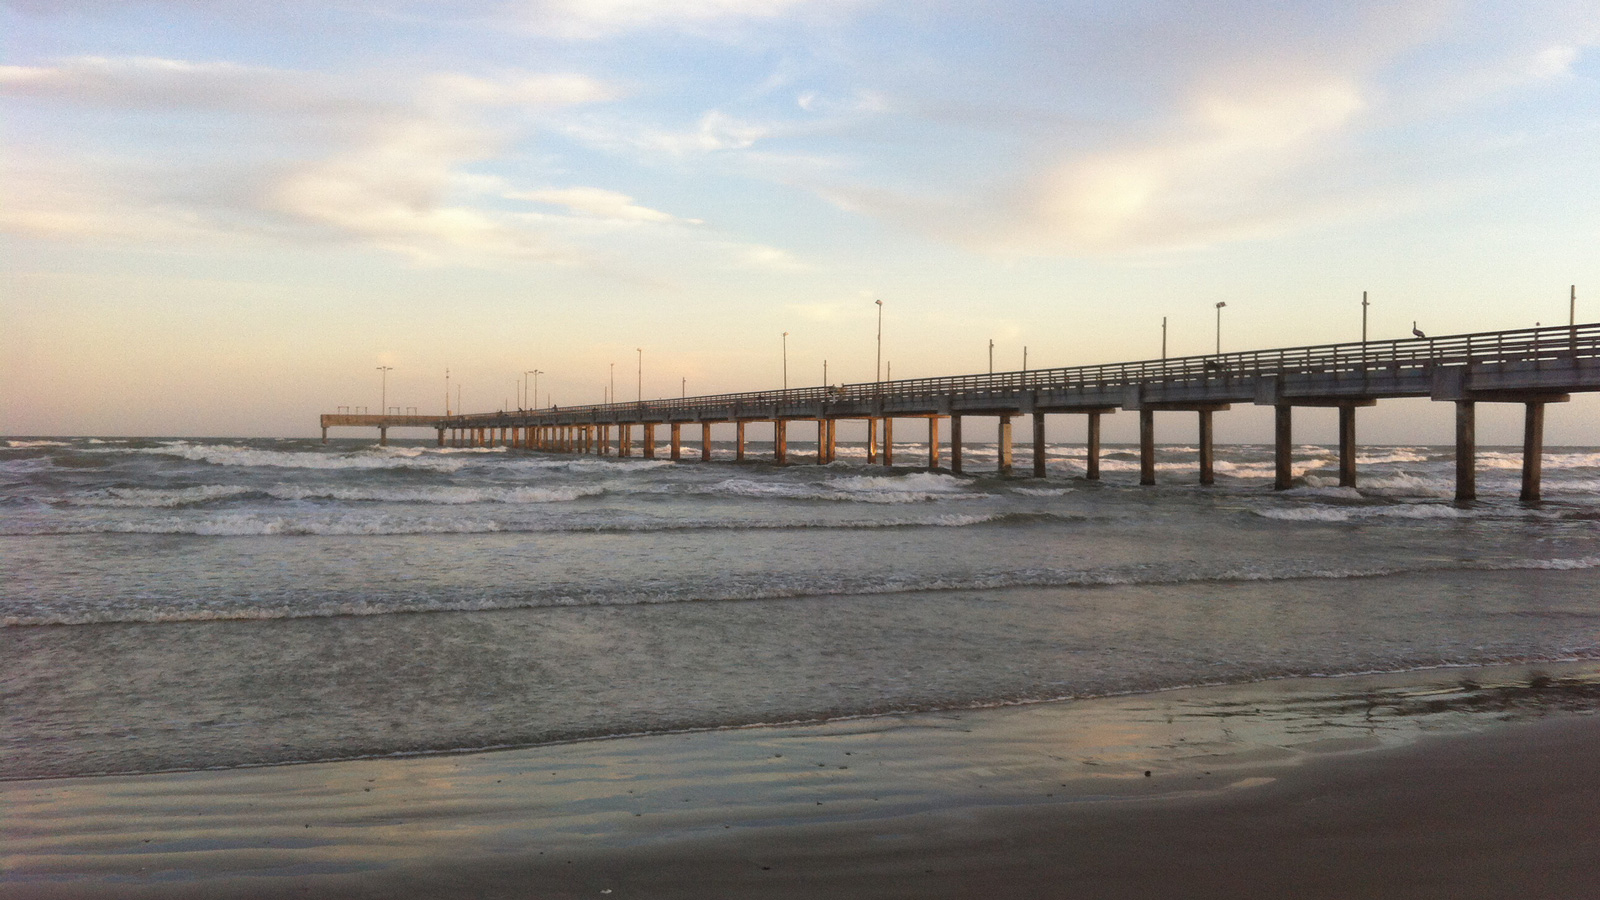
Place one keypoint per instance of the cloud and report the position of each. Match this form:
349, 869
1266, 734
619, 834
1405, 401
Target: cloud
308, 156
1222, 126
594, 19
600, 203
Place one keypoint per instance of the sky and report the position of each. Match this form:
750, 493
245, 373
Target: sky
221, 217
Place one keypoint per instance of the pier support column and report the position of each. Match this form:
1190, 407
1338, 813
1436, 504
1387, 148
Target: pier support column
738, 441
955, 444
324, 434
888, 440
1038, 445
933, 442
705, 442
441, 438
1208, 465
1003, 446
872, 440
677, 441
383, 437
1282, 447
1347, 446
780, 442
649, 436
1147, 446
822, 442
1532, 451
1091, 461
624, 441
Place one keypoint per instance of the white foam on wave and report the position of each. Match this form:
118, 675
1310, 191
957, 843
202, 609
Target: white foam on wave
448, 496
245, 523
159, 498
1316, 513
374, 458
657, 594
918, 487
25, 445
156, 498
1041, 492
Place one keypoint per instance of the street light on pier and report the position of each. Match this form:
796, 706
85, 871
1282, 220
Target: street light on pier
877, 365
383, 408
613, 393
1163, 337
447, 390
1220, 305
534, 402
640, 351
991, 356
786, 360
1364, 305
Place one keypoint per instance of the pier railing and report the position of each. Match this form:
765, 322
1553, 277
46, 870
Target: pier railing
1527, 347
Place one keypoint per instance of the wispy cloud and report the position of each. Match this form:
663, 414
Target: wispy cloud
595, 19
600, 203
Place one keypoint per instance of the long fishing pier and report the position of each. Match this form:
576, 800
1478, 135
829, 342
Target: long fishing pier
1531, 366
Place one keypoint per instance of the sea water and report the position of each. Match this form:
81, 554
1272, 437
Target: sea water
177, 604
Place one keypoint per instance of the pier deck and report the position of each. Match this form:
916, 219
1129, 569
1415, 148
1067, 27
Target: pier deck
1531, 366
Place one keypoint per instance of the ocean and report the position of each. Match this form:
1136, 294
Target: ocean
178, 604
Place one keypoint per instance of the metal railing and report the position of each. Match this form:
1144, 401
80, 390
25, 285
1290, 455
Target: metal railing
1565, 344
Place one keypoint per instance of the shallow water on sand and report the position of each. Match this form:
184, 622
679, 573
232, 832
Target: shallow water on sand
170, 604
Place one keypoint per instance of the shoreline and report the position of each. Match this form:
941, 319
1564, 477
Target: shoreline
1230, 776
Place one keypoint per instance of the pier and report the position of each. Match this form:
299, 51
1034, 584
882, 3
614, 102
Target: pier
1530, 366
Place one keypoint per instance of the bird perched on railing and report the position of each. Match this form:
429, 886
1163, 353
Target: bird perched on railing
1417, 331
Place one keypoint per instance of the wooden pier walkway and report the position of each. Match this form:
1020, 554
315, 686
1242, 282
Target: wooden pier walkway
1531, 366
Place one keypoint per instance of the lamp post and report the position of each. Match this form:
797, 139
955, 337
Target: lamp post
683, 388
824, 373
447, 390
1220, 305
383, 408
1024, 357
534, 403
1163, 337
991, 356
877, 365
613, 382
1364, 305
640, 351
786, 360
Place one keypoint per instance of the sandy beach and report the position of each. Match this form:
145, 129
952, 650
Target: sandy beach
1448, 783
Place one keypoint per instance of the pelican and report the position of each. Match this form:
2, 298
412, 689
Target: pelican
1417, 331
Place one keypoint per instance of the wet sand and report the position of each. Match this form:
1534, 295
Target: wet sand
1452, 783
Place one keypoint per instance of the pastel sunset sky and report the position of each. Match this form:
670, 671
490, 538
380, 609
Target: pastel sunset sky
220, 216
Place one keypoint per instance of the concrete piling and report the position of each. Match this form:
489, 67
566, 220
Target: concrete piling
955, 444
1147, 446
